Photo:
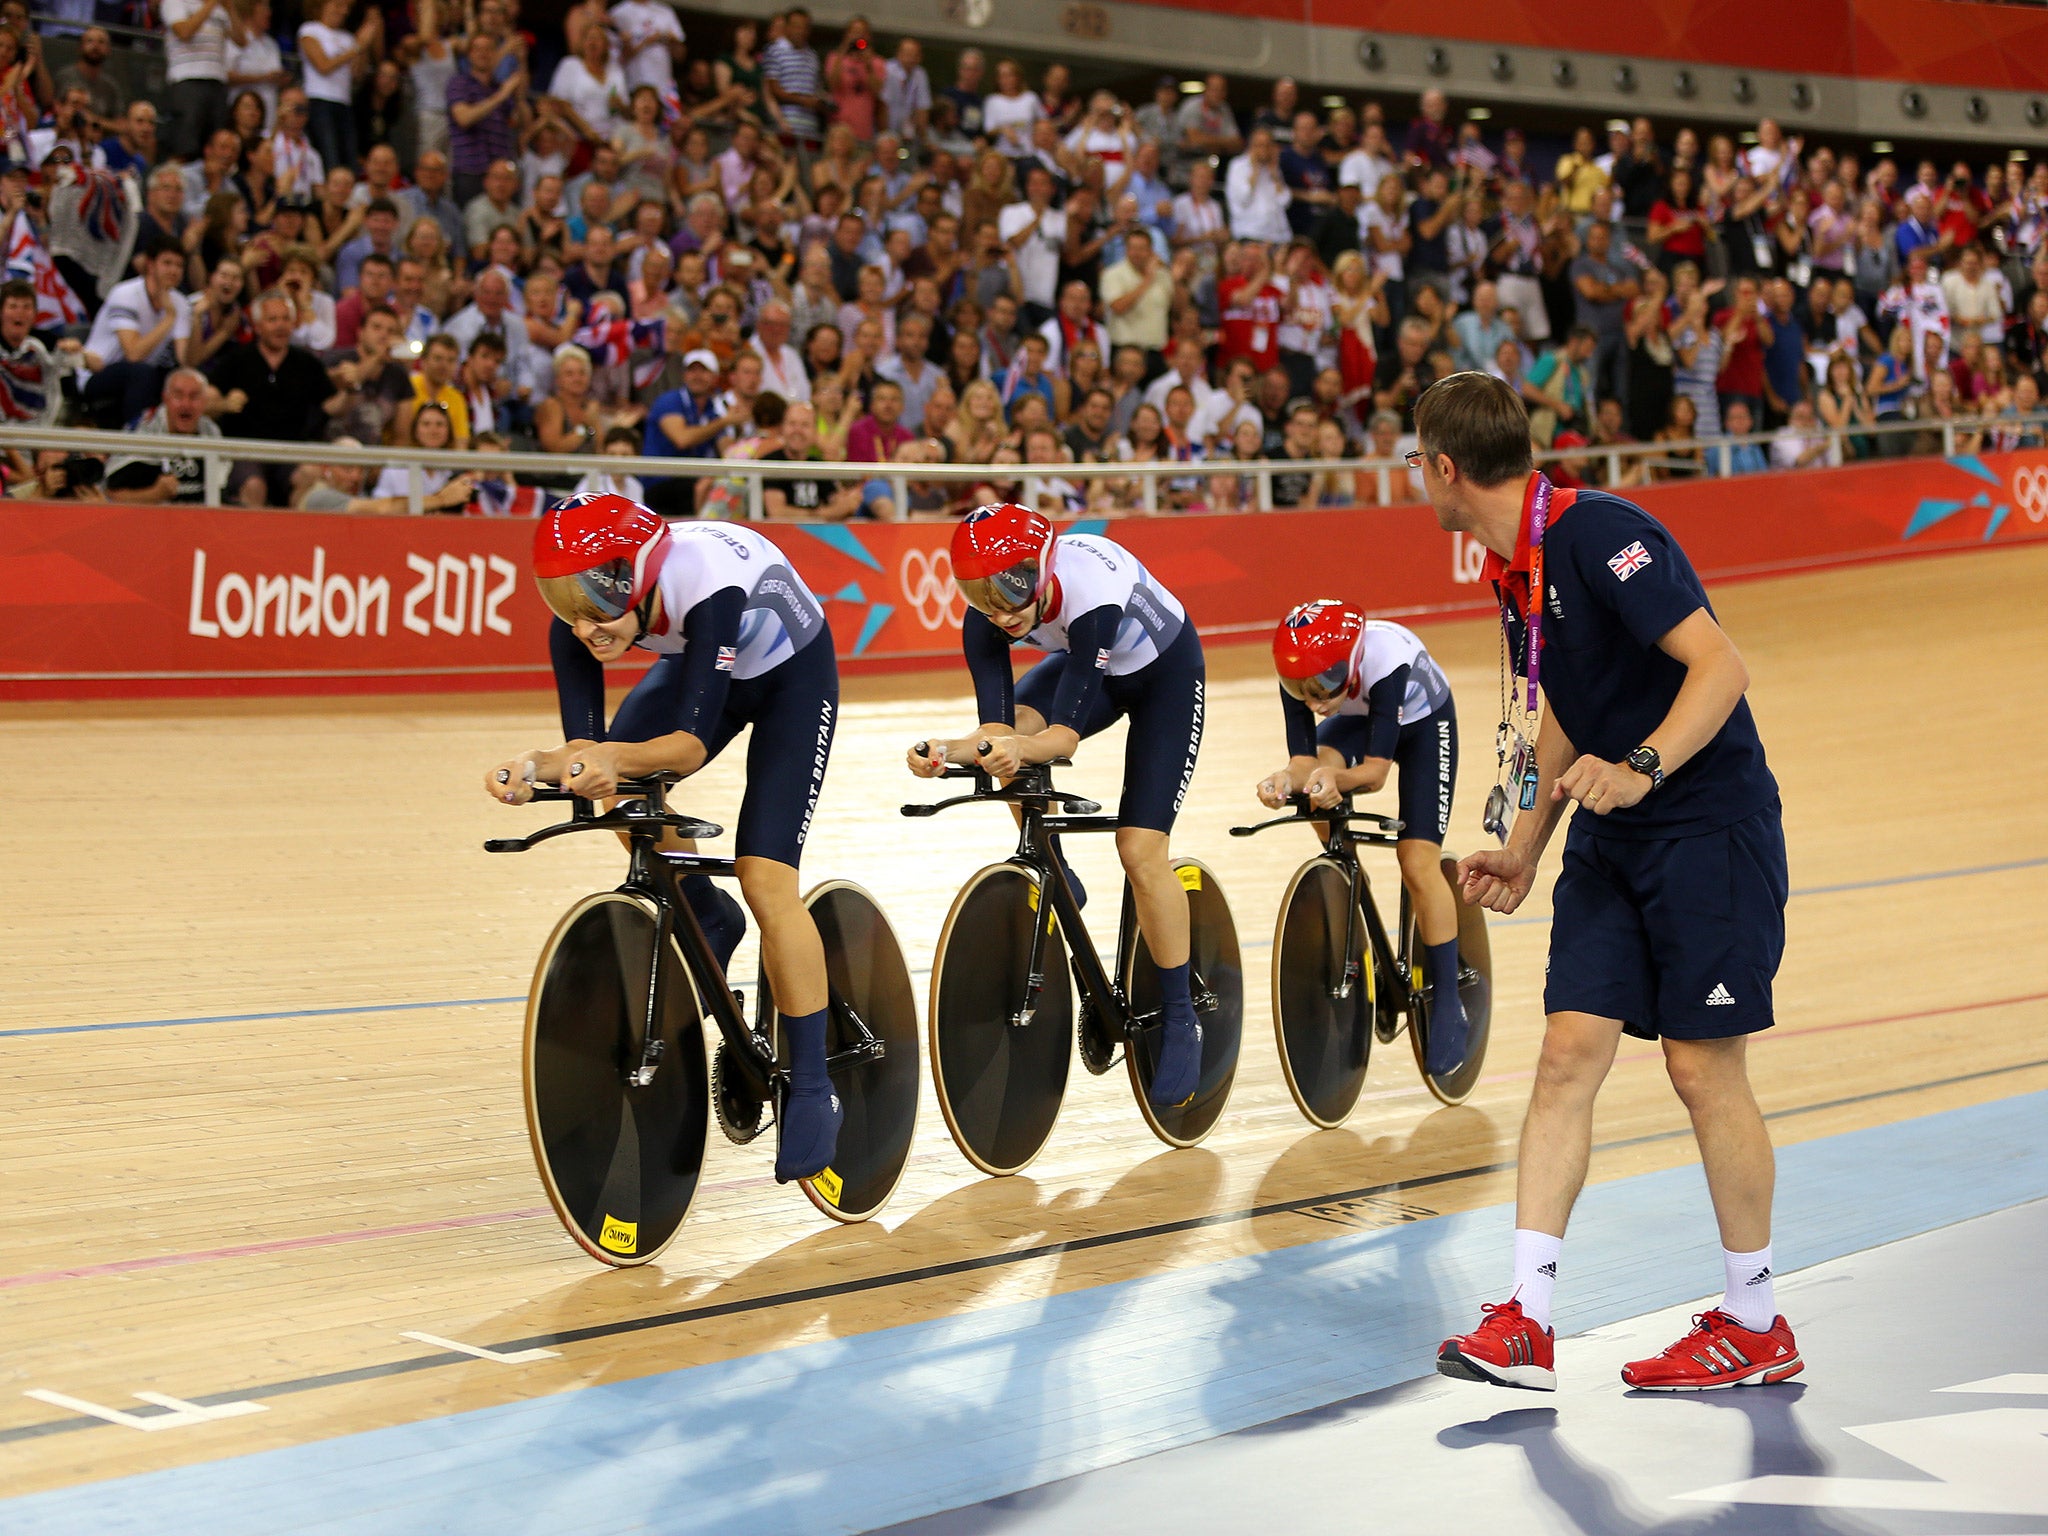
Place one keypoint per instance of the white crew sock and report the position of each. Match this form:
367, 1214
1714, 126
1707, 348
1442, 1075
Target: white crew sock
1536, 1273
1751, 1300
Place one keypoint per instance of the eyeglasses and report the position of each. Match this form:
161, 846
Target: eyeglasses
1415, 458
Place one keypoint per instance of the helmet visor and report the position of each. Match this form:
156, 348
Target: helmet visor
601, 594
1004, 593
1322, 687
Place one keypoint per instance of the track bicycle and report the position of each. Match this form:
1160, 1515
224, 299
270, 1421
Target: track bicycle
618, 1096
1002, 1017
1339, 980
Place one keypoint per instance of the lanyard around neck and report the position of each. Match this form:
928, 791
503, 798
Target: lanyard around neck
1532, 618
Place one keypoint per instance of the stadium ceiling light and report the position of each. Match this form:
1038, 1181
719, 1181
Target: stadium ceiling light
2017, 154
1880, 146
1333, 102
1747, 137
1191, 87
1481, 114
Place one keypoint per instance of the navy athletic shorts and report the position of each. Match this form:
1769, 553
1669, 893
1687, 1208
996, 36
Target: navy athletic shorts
1678, 937
1425, 760
793, 708
1164, 702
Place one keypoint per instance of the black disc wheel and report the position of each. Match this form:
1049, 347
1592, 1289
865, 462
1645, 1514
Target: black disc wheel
871, 1045
1000, 1064
1475, 991
620, 1164
1325, 993
1217, 977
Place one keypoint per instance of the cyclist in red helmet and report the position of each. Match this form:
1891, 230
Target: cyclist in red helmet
739, 640
1383, 704
1121, 645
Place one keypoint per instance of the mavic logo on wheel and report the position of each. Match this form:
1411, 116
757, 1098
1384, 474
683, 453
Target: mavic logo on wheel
1720, 997
618, 1236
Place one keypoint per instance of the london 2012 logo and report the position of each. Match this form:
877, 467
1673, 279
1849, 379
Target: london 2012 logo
927, 582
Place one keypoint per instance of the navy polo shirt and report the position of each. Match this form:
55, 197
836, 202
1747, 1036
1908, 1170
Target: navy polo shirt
1617, 584
655, 444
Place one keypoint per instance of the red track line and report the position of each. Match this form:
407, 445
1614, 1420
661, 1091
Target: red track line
371, 1234
280, 1245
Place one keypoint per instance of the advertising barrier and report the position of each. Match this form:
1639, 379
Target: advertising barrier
126, 601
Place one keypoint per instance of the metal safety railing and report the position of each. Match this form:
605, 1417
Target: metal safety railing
217, 455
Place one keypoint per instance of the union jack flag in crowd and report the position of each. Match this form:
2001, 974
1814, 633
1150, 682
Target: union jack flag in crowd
26, 258
25, 385
503, 498
611, 340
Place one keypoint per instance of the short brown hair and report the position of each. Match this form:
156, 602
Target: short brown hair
1479, 424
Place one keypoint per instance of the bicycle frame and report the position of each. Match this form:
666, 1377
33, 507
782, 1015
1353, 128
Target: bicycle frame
1031, 792
1341, 843
657, 876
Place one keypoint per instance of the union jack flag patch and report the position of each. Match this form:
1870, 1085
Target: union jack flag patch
728, 658
1102, 660
1629, 561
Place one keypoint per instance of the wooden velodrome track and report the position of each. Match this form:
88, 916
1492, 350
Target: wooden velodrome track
321, 1148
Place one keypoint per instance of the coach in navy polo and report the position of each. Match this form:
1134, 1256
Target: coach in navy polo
1668, 915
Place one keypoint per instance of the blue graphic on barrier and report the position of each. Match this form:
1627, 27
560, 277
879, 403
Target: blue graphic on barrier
843, 539
1933, 511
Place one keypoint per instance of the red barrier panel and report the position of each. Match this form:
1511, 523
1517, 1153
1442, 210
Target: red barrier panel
1954, 42
108, 600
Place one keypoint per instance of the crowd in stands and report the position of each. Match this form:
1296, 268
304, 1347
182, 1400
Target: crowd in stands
416, 223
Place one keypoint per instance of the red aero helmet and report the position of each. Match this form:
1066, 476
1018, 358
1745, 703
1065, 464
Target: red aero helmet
1002, 557
1312, 648
596, 555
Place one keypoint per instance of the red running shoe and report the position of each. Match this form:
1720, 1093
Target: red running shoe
1507, 1350
1719, 1352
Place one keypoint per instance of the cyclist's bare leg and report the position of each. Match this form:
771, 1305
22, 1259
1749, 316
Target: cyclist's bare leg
1161, 900
792, 953
1436, 909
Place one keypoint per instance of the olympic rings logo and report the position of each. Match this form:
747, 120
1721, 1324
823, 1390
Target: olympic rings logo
2030, 490
927, 581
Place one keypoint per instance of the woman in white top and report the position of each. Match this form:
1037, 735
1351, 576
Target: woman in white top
1008, 116
430, 429
591, 86
1383, 228
1198, 219
431, 72
331, 59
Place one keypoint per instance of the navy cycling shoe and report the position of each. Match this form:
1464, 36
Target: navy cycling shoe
810, 1132
1179, 1069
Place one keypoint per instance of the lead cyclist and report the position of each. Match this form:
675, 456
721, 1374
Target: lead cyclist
739, 640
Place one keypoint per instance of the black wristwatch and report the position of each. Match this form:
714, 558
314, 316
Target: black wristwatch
1646, 762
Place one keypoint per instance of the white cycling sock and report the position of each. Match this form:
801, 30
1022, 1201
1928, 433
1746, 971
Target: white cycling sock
1536, 1273
1750, 1299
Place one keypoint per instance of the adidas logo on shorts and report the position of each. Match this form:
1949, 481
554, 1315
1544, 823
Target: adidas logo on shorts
1720, 997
